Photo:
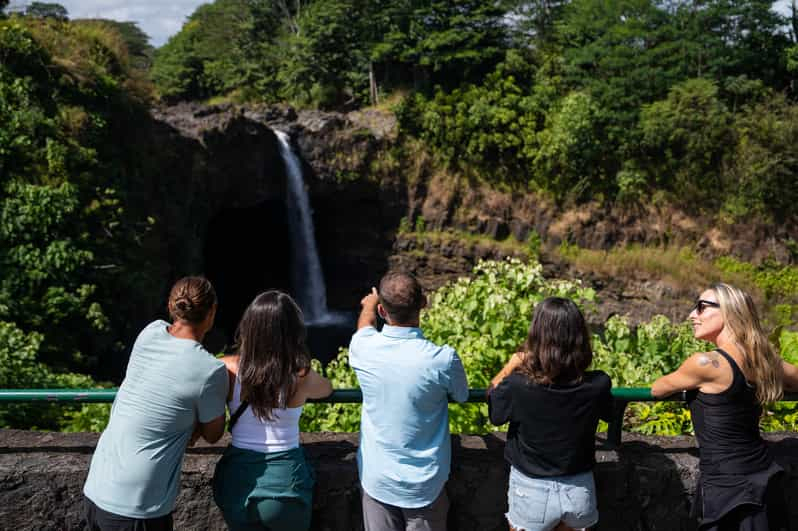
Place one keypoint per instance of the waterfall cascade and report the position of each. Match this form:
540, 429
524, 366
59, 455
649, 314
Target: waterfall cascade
307, 278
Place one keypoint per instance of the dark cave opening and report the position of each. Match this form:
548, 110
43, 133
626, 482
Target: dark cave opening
247, 251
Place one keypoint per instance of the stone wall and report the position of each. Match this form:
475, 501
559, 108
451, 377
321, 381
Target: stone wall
646, 484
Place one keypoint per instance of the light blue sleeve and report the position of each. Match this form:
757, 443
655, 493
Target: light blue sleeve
357, 346
458, 383
213, 395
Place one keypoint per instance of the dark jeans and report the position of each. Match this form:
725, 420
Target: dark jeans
100, 520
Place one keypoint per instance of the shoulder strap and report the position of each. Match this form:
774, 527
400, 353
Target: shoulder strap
234, 417
737, 372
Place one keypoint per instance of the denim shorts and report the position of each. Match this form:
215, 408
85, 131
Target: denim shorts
539, 504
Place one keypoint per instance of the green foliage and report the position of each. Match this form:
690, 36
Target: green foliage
773, 278
20, 368
324, 65
762, 168
334, 417
491, 128
461, 40
566, 162
686, 137
202, 59
637, 357
534, 243
69, 95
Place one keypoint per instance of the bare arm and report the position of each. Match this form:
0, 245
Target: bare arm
513, 363
212, 431
314, 385
699, 369
368, 312
231, 362
790, 376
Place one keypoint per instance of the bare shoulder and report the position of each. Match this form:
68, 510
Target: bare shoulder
711, 359
231, 362
708, 366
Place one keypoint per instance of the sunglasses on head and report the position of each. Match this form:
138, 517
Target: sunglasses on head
701, 305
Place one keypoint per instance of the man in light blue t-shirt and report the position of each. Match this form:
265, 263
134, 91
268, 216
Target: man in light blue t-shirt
173, 388
405, 450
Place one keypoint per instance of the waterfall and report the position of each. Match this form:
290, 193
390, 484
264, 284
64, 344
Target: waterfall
306, 274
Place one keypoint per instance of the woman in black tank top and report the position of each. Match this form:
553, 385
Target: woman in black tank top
740, 484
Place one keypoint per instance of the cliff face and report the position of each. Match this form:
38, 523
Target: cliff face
219, 202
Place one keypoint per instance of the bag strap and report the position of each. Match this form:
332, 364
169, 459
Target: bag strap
234, 417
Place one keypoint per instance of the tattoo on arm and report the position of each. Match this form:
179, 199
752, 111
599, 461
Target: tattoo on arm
709, 358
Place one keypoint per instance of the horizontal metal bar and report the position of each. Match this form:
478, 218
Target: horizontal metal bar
57, 395
339, 396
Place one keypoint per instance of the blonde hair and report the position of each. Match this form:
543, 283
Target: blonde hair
761, 359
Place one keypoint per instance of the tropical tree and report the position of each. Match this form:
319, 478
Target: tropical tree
47, 10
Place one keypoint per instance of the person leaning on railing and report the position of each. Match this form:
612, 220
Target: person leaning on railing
263, 480
172, 388
404, 454
553, 404
740, 485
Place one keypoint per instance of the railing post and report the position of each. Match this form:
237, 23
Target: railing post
615, 427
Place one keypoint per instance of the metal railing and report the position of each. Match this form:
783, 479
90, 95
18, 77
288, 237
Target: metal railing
622, 396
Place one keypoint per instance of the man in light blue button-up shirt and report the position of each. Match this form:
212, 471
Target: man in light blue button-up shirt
405, 450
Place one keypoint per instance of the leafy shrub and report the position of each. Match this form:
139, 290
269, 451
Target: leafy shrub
334, 417
20, 368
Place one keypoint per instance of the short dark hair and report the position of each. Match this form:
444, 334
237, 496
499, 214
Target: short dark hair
270, 343
191, 299
558, 345
401, 296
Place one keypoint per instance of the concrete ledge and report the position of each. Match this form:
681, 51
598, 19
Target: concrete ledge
646, 484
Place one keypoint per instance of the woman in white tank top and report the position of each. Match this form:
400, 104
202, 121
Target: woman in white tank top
263, 481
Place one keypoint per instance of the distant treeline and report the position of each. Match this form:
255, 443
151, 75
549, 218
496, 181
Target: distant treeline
631, 100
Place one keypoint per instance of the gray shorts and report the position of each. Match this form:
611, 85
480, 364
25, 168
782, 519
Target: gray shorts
379, 516
539, 504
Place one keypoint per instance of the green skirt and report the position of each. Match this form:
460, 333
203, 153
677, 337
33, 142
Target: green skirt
257, 490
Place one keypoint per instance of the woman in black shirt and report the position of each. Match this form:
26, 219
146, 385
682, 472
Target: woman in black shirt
553, 405
739, 486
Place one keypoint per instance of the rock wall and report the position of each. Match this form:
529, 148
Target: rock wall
645, 485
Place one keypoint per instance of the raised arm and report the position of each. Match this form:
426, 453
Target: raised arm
368, 311
699, 369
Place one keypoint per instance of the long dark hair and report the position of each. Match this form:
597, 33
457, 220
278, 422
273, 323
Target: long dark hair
270, 343
558, 345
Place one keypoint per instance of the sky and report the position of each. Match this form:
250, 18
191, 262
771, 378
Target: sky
160, 19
